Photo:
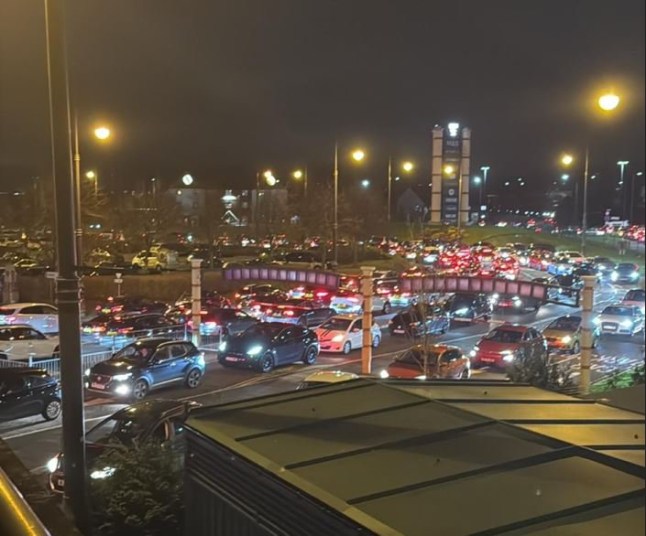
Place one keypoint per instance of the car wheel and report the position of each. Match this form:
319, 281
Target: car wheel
140, 390
309, 358
387, 308
52, 410
267, 363
466, 374
376, 341
347, 347
576, 348
193, 378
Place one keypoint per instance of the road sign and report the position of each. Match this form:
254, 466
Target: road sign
51, 275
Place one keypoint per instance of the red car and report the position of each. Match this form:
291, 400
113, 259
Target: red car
441, 361
507, 267
502, 345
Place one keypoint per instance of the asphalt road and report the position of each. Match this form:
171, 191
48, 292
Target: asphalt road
36, 441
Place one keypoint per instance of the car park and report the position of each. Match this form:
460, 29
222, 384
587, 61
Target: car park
26, 391
468, 307
344, 333
268, 345
503, 344
564, 334
41, 316
145, 365
635, 297
19, 342
437, 361
620, 319
157, 421
625, 272
417, 322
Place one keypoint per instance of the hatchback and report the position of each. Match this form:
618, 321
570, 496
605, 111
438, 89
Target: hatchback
26, 391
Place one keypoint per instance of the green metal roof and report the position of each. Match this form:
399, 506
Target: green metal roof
405, 457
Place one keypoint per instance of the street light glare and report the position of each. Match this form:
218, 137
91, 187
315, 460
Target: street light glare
565, 177
358, 155
268, 175
449, 169
567, 159
187, 180
365, 183
102, 133
477, 180
90, 175
408, 166
609, 102
298, 174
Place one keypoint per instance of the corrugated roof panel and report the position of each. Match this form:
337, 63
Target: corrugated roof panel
576, 411
586, 434
487, 501
320, 439
377, 471
468, 391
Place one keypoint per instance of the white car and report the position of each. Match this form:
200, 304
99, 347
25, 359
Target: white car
620, 319
572, 257
41, 316
327, 377
351, 302
20, 342
344, 333
635, 297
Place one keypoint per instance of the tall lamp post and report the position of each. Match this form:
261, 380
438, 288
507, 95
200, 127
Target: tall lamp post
632, 195
622, 168
301, 174
358, 156
407, 167
478, 182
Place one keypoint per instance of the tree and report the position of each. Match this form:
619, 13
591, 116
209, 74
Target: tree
143, 494
538, 370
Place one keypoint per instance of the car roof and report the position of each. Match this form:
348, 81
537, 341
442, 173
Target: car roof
5, 326
439, 347
24, 304
22, 371
512, 327
346, 317
330, 376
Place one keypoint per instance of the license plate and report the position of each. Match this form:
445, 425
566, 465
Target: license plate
97, 386
60, 483
398, 331
487, 360
229, 358
611, 328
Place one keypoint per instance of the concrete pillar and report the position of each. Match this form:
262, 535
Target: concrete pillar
366, 289
587, 304
465, 165
196, 298
436, 176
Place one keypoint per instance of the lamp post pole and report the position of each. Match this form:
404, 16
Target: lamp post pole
632, 194
335, 223
390, 185
77, 194
584, 221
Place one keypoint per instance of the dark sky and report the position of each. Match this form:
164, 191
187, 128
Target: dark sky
222, 88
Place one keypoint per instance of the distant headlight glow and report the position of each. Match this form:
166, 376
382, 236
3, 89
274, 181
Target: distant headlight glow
52, 464
254, 350
122, 390
223, 346
614, 276
383, 374
626, 323
337, 338
122, 377
566, 340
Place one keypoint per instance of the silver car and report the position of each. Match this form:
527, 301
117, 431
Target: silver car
620, 319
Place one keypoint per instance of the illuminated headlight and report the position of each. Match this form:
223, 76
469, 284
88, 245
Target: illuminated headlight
507, 356
626, 323
337, 338
495, 297
122, 390
122, 377
517, 301
422, 377
200, 359
614, 276
597, 321
223, 346
462, 312
87, 371
634, 275
254, 350
52, 464
384, 374
566, 340
101, 474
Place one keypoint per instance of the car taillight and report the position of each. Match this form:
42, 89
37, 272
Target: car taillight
321, 294
98, 329
288, 313
124, 330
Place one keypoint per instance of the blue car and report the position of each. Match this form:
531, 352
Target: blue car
411, 323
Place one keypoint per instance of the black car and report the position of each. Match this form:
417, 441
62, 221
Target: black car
269, 344
258, 292
570, 284
468, 307
604, 265
131, 304
587, 268
143, 325
144, 365
28, 391
515, 303
625, 272
414, 323
208, 298
159, 421
224, 321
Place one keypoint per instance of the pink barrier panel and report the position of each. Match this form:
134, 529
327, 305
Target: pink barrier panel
442, 284
282, 275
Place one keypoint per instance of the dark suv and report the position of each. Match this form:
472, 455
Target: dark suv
414, 323
159, 421
28, 391
144, 365
468, 307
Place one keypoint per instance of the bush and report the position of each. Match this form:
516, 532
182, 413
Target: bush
539, 371
144, 494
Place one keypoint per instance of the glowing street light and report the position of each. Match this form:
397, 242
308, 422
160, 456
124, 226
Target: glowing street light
365, 183
449, 169
94, 176
187, 180
358, 155
408, 167
102, 133
608, 102
567, 159
300, 174
565, 177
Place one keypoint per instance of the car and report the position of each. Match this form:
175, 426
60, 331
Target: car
41, 316
159, 421
436, 361
468, 307
312, 293
344, 333
257, 292
604, 265
223, 321
20, 342
415, 322
564, 334
326, 377
625, 272
145, 365
351, 302
131, 304
635, 297
303, 259
569, 284
27, 391
539, 260
268, 345
142, 325
303, 313
503, 344
208, 298
515, 303
620, 319
587, 269
140, 260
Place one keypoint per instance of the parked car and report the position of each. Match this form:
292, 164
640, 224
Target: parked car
41, 316
625, 272
620, 319
159, 421
26, 391
19, 342
414, 323
326, 377
635, 297
468, 307
344, 333
503, 344
144, 365
437, 361
564, 334
269, 344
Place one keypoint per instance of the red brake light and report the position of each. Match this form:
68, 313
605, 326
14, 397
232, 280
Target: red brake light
288, 313
124, 330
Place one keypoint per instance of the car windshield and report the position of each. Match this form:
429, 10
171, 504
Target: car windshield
635, 295
626, 266
264, 330
416, 357
6, 311
504, 335
124, 430
336, 324
135, 352
618, 311
566, 323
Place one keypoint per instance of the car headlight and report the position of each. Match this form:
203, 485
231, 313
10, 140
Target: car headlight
508, 358
626, 323
634, 275
223, 346
383, 374
101, 474
52, 464
337, 338
422, 377
254, 350
566, 340
87, 371
597, 321
614, 276
122, 377
472, 353
123, 389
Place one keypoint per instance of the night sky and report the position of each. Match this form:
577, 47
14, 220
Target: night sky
223, 88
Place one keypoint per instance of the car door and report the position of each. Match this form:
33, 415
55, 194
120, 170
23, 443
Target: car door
51, 319
287, 345
16, 400
355, 335
34, 316
162, 368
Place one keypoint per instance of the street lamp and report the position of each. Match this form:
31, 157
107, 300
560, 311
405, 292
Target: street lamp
365, 183
565, 177
300, 174
102, 133
485, 173
622, 167
449, 169
567, 159
478, 182
187, 180
608, 102
407, 166
357, 155
94, 176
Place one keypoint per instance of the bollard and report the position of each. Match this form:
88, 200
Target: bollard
589, 282
196, 298
367, 289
